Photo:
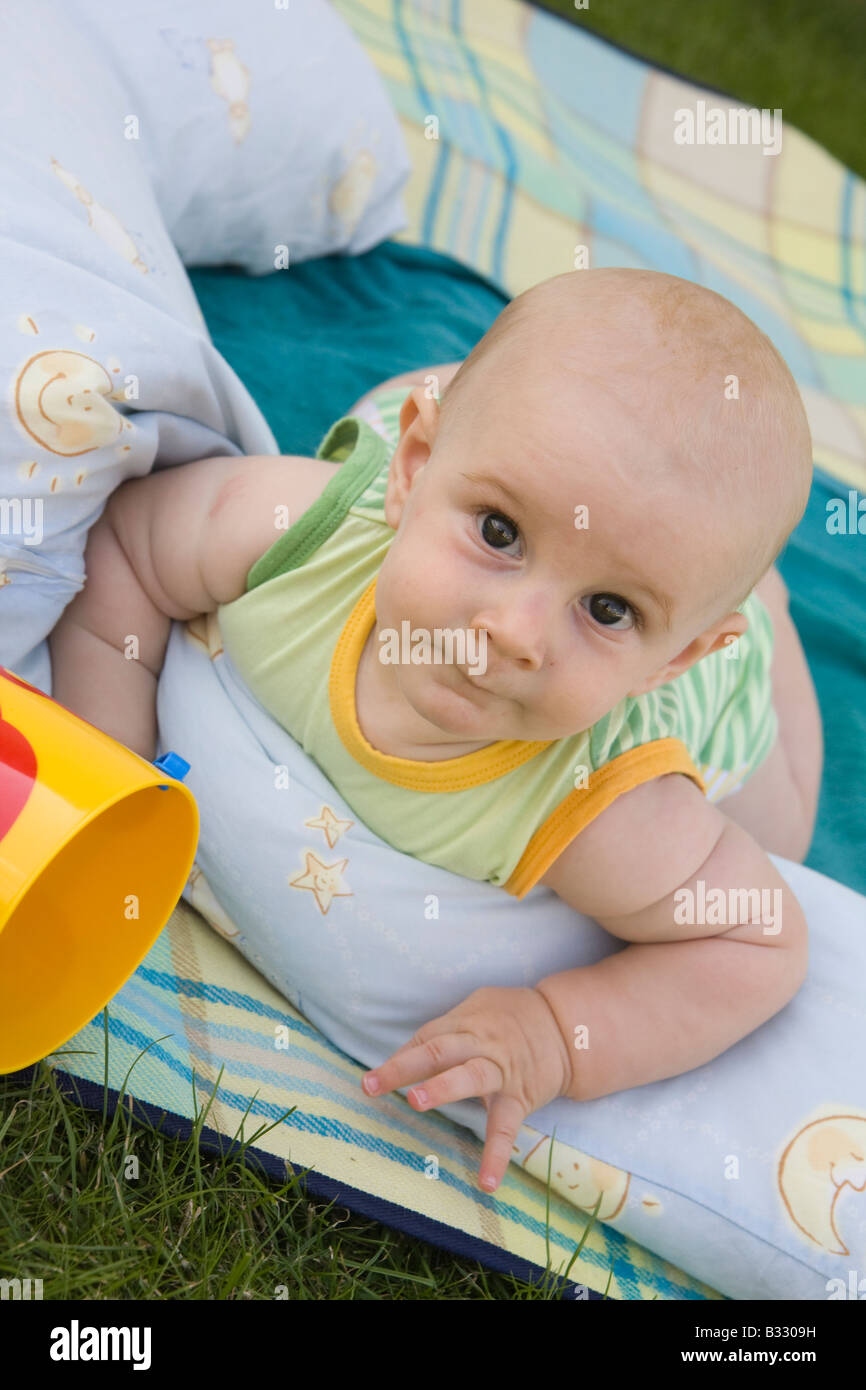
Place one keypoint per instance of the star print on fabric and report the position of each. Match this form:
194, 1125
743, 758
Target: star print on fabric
332, 825
323, 880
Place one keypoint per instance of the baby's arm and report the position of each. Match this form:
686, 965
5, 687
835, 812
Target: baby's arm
779, 802
679, 995
441, 371
174, 544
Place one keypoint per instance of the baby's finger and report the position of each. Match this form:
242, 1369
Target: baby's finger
419, 1062
478, 1077
435, 1028
505, 1116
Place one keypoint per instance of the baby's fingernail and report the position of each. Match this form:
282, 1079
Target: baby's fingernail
370, 1084
489, 1182
420, 1095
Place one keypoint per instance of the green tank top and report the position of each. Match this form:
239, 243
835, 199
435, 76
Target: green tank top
504, 812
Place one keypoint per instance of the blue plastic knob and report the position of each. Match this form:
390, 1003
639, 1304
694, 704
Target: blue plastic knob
173, 764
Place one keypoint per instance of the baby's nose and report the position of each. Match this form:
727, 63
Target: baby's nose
517, 627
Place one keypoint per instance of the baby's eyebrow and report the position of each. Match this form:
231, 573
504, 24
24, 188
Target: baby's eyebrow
662, 601
489, 480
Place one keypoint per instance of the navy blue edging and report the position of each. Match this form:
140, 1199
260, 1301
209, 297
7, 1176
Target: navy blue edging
89, 1095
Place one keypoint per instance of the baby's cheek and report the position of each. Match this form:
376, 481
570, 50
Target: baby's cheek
418, 579
579, 697
404, 587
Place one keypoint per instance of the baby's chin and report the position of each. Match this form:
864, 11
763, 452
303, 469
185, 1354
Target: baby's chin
446, 697
448, 702
459, 706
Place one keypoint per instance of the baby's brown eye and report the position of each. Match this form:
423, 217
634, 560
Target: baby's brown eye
611, 611
498, 531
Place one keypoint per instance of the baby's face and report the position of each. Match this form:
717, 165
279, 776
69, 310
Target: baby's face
577, 616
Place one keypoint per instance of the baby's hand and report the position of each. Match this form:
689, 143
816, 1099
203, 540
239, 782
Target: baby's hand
502, 1045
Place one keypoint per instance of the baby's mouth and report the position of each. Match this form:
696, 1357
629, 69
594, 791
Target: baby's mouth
473, 681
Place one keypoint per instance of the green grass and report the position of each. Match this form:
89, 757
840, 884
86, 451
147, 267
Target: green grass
104, 1207
805, 58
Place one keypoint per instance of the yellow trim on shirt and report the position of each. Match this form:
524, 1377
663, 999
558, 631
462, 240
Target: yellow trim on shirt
447, 775
582, 805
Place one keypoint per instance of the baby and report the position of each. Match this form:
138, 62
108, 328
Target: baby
593, 495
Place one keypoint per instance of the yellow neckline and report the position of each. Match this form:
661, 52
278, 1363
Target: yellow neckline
446, 775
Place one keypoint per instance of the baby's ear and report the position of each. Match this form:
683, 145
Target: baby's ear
733, 626
722, 634
419, 421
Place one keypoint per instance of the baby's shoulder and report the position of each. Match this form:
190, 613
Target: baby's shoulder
638, 849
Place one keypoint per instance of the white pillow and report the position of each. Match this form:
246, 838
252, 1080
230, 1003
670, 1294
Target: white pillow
106, 359
261, 126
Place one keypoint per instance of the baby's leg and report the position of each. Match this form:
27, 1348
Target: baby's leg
779, 802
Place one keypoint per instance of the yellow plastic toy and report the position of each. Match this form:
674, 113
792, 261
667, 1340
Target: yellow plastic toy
96, 845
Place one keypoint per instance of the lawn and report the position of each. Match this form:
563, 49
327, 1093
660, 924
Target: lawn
103, 1207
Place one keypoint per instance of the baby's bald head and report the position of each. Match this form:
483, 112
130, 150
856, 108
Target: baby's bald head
703, 385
